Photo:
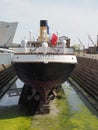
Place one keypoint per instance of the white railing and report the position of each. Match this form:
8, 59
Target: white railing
56, 50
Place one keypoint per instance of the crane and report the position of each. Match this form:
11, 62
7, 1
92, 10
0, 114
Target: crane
91, 40
81, 43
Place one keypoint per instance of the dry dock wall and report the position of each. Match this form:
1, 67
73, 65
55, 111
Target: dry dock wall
7, 78
86, 75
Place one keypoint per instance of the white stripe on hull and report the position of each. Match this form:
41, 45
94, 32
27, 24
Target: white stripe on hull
44, 58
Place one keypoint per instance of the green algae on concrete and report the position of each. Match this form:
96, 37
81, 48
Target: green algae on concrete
80, 117
12, 119
67, 113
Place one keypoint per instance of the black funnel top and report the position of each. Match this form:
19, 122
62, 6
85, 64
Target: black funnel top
43, 23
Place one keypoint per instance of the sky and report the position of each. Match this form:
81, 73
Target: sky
73, 18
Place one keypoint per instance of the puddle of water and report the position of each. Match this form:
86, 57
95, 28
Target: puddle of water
12, 96
74, 100
19, 84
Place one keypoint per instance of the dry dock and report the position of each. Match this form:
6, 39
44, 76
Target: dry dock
71, 112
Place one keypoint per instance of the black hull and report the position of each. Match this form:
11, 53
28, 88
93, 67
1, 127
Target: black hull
43, 77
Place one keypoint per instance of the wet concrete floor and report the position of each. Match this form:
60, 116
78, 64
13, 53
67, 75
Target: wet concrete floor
12, 95
76, 99
78, 115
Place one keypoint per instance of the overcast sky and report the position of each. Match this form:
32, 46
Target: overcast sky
72, 18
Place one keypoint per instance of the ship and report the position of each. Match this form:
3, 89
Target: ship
45, 63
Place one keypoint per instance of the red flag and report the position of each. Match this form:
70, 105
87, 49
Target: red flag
54, 39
